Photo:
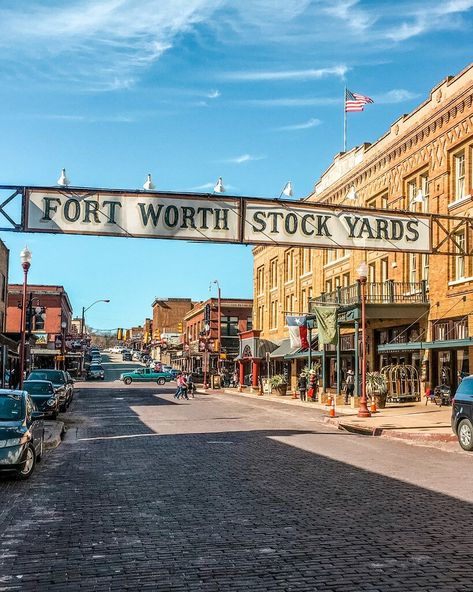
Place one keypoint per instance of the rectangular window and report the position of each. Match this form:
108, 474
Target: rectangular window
425, 268
273, 266
371, 203
328, 286
372, 273
346, 280
459, 160
260, 319
460, 259
229, 326
304, 300
412, 267
289, 265
411, 195
249, 323
273, 317
2, 287
260, 280
425, 187
337, 282
330, 255
384, 270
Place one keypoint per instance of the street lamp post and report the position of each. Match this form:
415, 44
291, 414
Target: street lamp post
362, 271
219, 323
63, 344
25, 258
84, 310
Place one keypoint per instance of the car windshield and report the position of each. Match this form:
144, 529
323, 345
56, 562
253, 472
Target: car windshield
11, 406
37, 388
465, 390
95, 367
55, 376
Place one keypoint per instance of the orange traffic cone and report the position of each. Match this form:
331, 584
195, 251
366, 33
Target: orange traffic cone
332, 408
373, 408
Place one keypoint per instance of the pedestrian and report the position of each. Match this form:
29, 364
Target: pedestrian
236, 378
313, 386
302, 386
349, 385
190, 385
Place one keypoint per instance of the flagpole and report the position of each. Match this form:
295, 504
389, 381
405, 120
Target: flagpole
344, 120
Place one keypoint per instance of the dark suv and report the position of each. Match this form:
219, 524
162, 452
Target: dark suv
62, 382
462, 413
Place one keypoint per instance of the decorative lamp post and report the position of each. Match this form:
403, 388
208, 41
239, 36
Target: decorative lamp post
25, 258
84, 310
219, 322
362, 271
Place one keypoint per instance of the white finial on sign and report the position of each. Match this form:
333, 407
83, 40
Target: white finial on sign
288, 189
219, 188
419, 198
148, 184
63, 180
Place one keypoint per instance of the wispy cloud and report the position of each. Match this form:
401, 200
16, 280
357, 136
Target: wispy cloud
422, 18
210, 186
105, 42
310, 74
294, 102
213, 94
396, 95
244, 158
312, 122
90, 118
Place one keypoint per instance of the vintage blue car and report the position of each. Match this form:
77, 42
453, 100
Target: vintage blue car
146, 375
21, 433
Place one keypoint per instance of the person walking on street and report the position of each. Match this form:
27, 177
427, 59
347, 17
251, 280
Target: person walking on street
302, 386
349, 385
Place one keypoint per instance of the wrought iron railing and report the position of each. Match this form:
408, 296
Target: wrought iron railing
388, 292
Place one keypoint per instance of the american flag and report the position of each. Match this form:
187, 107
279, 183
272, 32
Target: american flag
355, 102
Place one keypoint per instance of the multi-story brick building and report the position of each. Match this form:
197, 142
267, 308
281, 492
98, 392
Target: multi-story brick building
46, 326
167, 318
235, 317
419, 306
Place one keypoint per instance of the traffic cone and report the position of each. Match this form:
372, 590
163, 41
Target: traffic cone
332, 407
373, 407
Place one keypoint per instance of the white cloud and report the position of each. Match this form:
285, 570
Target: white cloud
396, 95
312, 122
213, 94
243, 158
90, 118
295, 102
104, 42
310, 74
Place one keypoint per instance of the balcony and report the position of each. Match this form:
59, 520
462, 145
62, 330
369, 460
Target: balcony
388, 300
389, 292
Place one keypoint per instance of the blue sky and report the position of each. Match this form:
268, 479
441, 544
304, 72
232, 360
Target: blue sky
190, 90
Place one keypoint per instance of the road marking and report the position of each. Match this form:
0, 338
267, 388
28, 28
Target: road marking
115, 437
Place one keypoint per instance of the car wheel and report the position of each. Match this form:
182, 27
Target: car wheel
127, 380
28, 463
161, 381
465, 434
54, 415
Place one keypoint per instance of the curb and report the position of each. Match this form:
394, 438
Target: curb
53, 434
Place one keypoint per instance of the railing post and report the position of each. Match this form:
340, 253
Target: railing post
339, 295
391, 290
423, 289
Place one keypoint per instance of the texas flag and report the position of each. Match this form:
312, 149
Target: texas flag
298, 331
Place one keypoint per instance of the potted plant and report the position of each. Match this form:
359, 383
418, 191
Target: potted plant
376, 387
278, 384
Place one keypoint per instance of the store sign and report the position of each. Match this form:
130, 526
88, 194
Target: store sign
213, 218
41, 338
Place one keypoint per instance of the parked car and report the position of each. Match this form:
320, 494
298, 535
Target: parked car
95, 371
21, 433
127, 357
174, 373
462, 413
62, 381
44, 396
145, 375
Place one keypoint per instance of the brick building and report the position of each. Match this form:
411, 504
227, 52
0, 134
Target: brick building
45, 326
236, 316
419, 307
167, 318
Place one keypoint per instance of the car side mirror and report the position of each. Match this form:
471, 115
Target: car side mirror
37, 415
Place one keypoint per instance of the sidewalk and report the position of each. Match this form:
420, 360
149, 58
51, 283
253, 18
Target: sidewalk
415, 422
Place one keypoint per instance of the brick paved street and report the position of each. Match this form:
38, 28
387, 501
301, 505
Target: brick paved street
223, 493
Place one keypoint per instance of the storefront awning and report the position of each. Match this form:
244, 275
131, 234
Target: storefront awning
304, 353
422, 345
283, 349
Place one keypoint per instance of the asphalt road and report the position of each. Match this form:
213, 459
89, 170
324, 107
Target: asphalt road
223, 493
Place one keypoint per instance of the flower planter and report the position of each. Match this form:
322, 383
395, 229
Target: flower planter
280, 390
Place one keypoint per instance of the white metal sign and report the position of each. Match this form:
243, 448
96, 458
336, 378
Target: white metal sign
213, 218
302, 225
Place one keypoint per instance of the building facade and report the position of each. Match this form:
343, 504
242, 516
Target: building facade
419, 306
201, 333
168, 314
51, 308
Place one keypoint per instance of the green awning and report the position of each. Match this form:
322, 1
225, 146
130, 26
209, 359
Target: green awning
422, 345
283, 349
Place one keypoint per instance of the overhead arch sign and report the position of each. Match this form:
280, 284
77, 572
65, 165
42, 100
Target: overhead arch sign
202, 217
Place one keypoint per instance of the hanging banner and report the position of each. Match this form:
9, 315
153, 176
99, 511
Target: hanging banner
199, 217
